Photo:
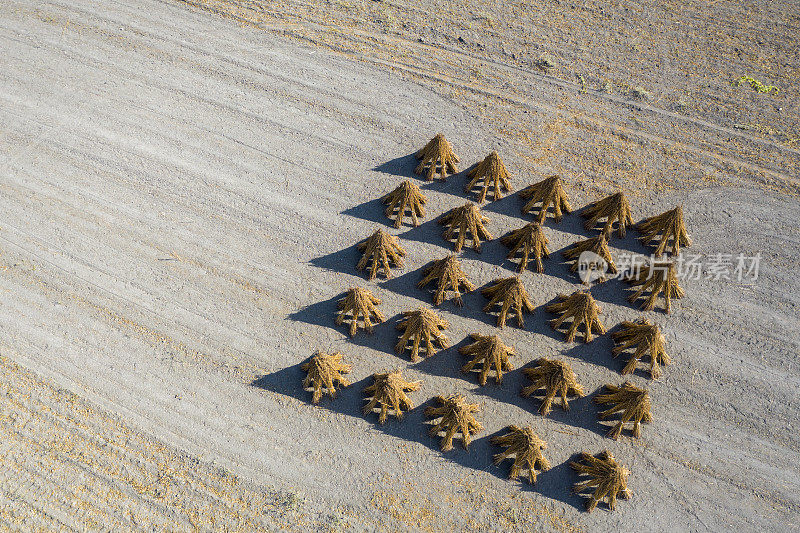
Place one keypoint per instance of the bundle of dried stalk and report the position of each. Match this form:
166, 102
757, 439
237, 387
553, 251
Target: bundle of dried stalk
510, 294
556, 378
528, 240
548, 192
526, 447
449, 276
423, 328
388, 393
671, 229
324, 372
581, 308
463, 221
406, 200
494, 175
381, 250
656, 278
607, 479
631, 401
597, 246
437, 157
648, 341
490, 353
453, 417
614, 208
359, 306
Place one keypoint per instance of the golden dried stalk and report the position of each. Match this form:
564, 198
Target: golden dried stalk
582, 309
596, 245
388, 392
526, 447
421, 326
324, 373
614, 208
607, 478
489, 352
380, 250
454, 417
530, 241
437, 157
668, 225
449, 277
548, 192
556, 378
406, 199
648, 341
464, 220
359, 304
493, 173
509, 293
656, 278
632, 402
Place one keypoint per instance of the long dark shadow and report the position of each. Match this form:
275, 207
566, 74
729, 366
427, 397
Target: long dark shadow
402, 166
371, 211
551, 484
343, 261
320, 314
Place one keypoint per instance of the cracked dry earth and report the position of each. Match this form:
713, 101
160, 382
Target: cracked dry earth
182, 185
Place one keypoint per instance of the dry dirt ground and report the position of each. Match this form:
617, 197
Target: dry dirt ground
181, 188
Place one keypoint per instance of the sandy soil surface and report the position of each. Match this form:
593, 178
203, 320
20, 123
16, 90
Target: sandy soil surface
183, 184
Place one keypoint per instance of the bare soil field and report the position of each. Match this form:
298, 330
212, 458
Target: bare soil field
182, 186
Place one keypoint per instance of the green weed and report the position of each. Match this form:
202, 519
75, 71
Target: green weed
756, 85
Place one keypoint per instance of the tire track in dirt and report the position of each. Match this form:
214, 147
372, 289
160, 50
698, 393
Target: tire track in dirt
92, 342
244, 370
461, 57
371, 52
73, 461
779, 180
